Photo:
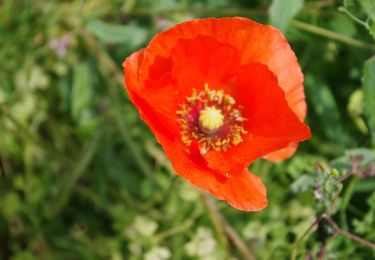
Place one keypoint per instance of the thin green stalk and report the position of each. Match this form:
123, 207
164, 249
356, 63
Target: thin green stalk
299, 241
204, 10
111, 72
66, 187
216, 220
345, 201
332, 35
248, 12
354, 18
222, 227
178, 229
159, 156
141, 162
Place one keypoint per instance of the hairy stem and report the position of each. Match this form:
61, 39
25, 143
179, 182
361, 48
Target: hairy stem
349, 235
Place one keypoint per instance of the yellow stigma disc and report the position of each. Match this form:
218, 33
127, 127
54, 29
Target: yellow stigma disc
211, 118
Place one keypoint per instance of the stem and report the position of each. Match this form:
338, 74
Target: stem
174, 231
111, 72
319, 4
216, 219
66, 186
140, 161
234, 11
204, 10
354, 18
222, 227
170, 188
299, 241
332, 35
345, 201
177, 229
2, 170
232, 234
349, 235
343, 178
252, 12
159, 157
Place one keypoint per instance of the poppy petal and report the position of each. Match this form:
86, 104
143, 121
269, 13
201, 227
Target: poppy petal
245, 191
192, 64
256, 43
256, 66
282, 154
271, 124
201, 60
171, 82
156, 121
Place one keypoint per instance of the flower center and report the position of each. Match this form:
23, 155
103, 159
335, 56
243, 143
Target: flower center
212, 119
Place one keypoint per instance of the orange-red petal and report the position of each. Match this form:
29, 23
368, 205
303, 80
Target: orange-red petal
256, 43
245, 191
158, 123
163, 75
271, 124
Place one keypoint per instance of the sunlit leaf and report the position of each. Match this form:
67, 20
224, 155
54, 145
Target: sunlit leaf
303, 183
326, 108
281, 11
343, 25
130, 34
369, 7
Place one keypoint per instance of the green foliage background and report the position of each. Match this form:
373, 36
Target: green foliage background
81, 177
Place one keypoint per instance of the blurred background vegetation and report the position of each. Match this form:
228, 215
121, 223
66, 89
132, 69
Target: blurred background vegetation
81, 177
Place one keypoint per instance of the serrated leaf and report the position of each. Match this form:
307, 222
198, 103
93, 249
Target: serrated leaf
303, 183
369, 95
366, 155
281, 11
129, 34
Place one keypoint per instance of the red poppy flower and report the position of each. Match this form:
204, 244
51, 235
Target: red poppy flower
218, 94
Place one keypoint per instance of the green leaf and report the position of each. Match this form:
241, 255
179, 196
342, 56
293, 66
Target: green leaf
281, 11
364, 160
342, 24
369, 8
303, 183
129, 34
326, 108
81, 92
348, 3
369, 95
